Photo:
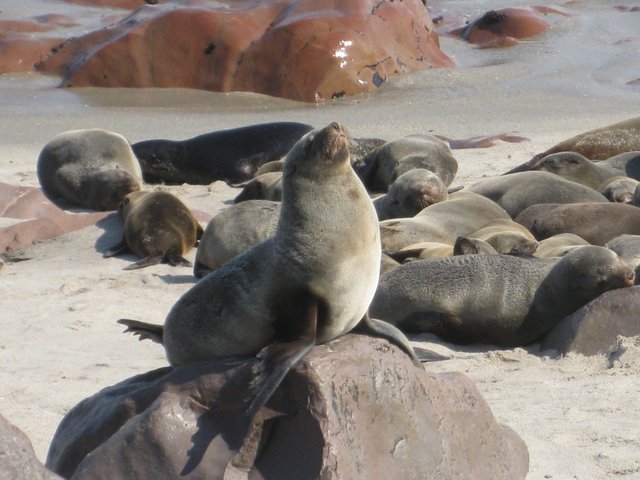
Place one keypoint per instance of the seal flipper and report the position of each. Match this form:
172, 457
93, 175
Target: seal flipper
119, 247
177, 260
145, 262
276, 361
146, 331
383, 329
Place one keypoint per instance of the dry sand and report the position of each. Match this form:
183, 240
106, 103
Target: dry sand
59, 342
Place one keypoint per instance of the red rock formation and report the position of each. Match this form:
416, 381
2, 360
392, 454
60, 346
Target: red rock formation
310, 50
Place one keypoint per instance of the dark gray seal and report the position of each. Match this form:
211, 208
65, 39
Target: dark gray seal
597, 223
157, 227
310, 283
495, 299
231, 155
91, 168
517, 191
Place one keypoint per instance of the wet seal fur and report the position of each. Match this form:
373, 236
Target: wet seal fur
310, 283
157, 227
231, 155
91, 168
458, 298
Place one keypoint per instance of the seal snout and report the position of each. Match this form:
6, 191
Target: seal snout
335, 138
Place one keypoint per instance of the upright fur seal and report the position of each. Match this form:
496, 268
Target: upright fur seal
91, 168
496, 299
310, 283
231, 155
157, 227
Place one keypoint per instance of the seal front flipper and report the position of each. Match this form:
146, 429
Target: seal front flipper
146, 331
119, 247
380, 328
145, 262
176, 260
276, 361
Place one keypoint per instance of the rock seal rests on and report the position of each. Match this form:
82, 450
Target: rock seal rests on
310, 283
157, 227
92, 168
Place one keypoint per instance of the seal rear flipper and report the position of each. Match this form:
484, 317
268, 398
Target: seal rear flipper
146, 331
177, 261
276, 361
380, 328
145, 262
119, 247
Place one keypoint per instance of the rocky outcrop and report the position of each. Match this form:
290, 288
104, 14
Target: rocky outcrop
309, 50
351, 409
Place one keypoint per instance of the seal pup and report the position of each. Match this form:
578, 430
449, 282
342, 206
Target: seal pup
495, 299
412, 192
158, 227
234, 231
431, 250
507, 236
628, 249
597, 223
619, 189
559, 245
463, 213
90, 168
231, 155
267, 186
517, 191
602, 143
390, 160
310, 283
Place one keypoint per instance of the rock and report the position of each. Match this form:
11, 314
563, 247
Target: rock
18, 461
29, 216
352, 408
308, 50
595, 327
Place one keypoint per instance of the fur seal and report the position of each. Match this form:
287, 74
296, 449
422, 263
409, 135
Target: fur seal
507, 236
412, 192
267, 186
390, 160
495, 299
310, 283
628, 249
572, 166
234, 231
603, 142
619, 189
597, 223
232, 155
517, 191
157, 227
463, 213
559, 245
91, 168
431, 250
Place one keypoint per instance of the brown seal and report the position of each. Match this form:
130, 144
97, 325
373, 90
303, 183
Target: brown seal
310, 283
496, 299
157, 227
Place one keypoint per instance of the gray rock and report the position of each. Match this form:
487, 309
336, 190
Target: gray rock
18, 461
595, 328
353, 408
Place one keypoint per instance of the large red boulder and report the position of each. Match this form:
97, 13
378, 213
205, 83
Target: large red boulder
356, 407
309, 50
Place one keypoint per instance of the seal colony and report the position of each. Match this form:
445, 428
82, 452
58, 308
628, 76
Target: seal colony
310, 283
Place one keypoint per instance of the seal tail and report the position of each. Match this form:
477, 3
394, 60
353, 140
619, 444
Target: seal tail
146, 331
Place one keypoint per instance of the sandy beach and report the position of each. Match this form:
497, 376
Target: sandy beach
59, 340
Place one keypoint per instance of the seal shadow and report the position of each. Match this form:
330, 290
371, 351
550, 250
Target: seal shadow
112, 234
178, 279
